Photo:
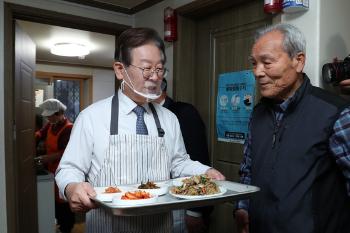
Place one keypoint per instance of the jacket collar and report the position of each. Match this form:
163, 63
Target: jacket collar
290, 103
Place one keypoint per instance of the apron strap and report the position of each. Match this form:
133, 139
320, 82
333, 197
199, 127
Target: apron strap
156, 119
114, 115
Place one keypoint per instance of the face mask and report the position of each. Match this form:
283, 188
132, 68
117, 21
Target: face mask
148, 96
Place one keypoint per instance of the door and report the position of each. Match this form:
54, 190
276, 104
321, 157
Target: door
221, 43
25, 177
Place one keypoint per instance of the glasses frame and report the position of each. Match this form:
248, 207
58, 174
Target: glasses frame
152, 70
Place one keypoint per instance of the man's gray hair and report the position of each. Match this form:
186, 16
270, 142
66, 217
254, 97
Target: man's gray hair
294, 40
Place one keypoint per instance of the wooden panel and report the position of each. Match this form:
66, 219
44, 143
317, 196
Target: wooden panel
65, 20
203, 71
26, 78
229, 169
24, 154
231, 37
203, 8
222, 43
184, 62
25, 176
231, 48
223, 214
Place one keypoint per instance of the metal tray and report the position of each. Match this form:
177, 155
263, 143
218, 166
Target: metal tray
165, 203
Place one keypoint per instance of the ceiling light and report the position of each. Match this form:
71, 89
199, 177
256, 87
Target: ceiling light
69, 50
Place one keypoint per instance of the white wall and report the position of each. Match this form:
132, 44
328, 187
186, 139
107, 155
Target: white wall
102, 79
64, 69
326, 27
308, 23
335, 30
103, 84
52, 5
153, 18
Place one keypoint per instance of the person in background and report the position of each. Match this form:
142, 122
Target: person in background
194, 134
56, 135
298, 148
125, 139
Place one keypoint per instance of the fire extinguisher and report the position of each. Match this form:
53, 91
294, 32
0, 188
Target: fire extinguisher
273, 6
170, 25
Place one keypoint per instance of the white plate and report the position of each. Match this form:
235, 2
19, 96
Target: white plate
118, 201
178, 181
101, 195
222, 191
163, 189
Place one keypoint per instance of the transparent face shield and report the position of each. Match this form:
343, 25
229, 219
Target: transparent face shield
150, 90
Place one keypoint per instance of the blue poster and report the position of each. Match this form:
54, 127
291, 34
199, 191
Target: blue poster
235, 102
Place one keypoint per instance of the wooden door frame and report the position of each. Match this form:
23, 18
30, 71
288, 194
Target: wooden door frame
184, 61
11, 13
184, 49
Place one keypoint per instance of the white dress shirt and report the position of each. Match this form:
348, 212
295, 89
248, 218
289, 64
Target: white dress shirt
89, 140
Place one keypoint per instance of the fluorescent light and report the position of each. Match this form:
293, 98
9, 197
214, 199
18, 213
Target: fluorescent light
69, 50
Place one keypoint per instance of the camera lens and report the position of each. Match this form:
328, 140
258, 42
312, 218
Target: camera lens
337, 71
328, 73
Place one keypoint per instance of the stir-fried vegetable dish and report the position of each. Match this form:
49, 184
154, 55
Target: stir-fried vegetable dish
196, 185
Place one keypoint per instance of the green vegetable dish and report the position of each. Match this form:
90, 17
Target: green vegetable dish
196, 185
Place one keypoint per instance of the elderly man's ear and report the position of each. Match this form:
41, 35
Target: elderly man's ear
299, 61
119, 70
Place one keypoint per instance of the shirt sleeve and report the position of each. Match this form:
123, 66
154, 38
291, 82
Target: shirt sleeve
245, 169
181, 164
339, 143
76, 159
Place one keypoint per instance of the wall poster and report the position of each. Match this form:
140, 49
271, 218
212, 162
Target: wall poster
235, 102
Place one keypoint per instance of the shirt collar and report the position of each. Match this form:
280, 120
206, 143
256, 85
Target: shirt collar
128, 104
284, 105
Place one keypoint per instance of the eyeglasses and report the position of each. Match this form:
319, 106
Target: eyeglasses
148, 72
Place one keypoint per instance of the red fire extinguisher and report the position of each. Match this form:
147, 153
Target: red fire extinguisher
170, 25
273, 6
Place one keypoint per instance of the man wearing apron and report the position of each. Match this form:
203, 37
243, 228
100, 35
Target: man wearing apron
125, 139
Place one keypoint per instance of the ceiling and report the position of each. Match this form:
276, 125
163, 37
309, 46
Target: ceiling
44, 36
122, 6
101, 45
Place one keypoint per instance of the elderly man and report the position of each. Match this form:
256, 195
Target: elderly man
298, 149
125, 139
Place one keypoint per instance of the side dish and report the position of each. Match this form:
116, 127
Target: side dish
196, 185
148, 185
112, 190
137, 195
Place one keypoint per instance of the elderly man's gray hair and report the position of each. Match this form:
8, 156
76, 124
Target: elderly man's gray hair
294, 41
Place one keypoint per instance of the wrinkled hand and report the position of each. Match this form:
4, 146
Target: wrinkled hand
215, 174
242, 221
195, 224
78, 195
